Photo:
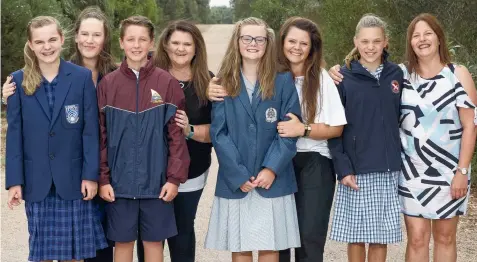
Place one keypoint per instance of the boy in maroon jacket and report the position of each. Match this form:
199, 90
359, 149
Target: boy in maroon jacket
144, 154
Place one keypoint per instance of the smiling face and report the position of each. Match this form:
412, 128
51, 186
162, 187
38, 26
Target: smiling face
424, 40
136, 44
181, 48
370, 43
46, 42
252, 51
297, 46
90, 38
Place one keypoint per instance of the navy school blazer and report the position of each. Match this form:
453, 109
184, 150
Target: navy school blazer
246, 140
63, 148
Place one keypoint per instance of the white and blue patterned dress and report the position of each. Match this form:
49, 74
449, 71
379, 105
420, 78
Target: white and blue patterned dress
431, 134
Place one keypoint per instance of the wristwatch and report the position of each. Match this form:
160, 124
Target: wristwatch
307, 130
191, 133
462, 170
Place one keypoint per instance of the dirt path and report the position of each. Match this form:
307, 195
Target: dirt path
14, 235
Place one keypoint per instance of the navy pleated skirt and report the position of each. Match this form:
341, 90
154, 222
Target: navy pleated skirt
63, 229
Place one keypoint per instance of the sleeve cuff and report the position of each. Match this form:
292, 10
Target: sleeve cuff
104, 180
174, 181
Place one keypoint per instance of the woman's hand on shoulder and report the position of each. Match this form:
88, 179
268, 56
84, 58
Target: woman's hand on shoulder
335, 74
216, 92
8, 89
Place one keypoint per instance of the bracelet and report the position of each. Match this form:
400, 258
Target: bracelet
191, 133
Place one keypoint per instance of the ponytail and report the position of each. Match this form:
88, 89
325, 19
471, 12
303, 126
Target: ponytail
353, 55
31, 71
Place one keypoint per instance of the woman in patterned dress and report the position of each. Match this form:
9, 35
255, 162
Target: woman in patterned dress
438, 133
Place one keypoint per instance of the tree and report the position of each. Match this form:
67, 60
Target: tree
221, 15
126, 8
203, 10
14, 34
338, 20
242, 8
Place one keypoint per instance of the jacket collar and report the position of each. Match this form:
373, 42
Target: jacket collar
143, 72
63, 86
357, 68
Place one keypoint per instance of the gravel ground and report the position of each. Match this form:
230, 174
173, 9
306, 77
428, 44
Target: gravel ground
14, 235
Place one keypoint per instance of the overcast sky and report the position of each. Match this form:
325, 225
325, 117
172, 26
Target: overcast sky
219, 2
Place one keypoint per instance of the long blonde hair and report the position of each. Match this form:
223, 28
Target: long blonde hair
31, 70
367, 21
229, 72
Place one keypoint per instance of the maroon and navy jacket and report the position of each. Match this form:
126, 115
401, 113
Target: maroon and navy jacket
142, 148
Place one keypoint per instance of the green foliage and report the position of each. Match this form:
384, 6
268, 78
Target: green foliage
338, 19
126, 8
14, 34
221, 15
17, 13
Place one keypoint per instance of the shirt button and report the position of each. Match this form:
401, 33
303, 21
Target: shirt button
52, 156
52, 134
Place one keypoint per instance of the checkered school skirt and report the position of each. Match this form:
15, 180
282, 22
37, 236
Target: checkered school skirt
63, 229
371, 214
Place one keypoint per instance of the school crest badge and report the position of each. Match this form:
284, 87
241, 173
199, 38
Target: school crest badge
395, 86
155, 97
72, 113
271, 115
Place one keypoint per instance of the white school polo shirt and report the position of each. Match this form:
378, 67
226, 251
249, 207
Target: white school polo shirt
329, 111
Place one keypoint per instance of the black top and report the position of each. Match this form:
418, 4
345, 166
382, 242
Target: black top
198, 114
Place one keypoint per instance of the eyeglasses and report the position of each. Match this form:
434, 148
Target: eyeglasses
260, 40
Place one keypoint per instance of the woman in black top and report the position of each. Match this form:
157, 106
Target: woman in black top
181, 51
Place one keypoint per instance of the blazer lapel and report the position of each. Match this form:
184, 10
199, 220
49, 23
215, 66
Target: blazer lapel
40, 95
256, 98
61, 90
243, 96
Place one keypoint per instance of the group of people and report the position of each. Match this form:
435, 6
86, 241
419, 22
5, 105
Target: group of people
399, 138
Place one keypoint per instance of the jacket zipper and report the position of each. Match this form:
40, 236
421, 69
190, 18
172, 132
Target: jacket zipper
382, 117
354, 149
384, 128
137, 127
